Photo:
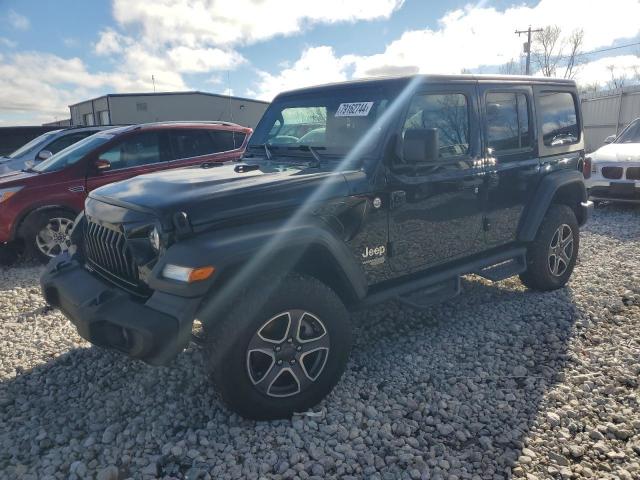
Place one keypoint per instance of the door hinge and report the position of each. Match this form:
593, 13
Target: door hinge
486, 224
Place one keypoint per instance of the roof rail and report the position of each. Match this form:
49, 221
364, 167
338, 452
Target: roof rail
203, 122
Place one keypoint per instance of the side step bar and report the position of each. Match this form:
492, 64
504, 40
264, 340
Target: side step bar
445, 284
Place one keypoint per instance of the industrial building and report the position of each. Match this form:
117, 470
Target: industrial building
132, 108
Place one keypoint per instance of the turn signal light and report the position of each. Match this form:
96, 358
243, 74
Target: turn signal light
186, 274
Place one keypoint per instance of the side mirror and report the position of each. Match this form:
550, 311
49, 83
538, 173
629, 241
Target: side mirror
43, 155
102, 165
610, 139
420, 145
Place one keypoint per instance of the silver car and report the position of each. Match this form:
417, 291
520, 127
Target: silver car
42, 147
613, 171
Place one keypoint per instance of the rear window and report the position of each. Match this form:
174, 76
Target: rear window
559, 118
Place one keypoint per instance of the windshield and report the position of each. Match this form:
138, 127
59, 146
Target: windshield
27, 147
332, 121
631, 134
73, 154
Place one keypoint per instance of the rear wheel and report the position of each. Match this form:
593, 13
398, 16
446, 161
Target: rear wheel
283, 352
552, 256
47, 234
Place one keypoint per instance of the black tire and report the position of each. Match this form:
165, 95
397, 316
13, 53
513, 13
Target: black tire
543, 257
228, 341
33, 226
8, 255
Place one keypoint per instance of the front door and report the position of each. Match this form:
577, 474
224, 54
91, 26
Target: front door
435, 212
135, 154
511, 162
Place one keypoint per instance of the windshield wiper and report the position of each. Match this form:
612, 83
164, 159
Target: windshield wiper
264, 146
313, 151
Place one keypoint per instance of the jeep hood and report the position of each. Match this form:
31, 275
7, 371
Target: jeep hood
618, 152
222, 192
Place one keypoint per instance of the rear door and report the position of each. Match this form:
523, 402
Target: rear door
511, 158
135, 154
194, 146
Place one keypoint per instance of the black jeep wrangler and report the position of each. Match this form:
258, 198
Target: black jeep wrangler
393, 189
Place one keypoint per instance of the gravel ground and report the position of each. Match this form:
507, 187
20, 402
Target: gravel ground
499, 382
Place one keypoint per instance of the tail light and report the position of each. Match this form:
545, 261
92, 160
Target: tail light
586, 167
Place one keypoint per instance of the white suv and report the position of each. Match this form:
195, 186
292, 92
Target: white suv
613, 171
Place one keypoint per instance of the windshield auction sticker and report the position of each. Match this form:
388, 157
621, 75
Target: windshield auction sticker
355, 109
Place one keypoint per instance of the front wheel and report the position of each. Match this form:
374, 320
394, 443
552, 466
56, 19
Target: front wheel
552, 256
280, 352
47, 234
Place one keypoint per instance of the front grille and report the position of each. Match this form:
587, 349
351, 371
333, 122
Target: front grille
613, 173
107, 251
633, 173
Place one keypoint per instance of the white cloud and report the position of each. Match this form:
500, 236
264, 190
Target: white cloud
5, 42
315, 66
193, 60
599, 71
110, 42
18, 21
218, 22
466, 38
475, 36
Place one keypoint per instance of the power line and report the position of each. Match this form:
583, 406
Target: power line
602, 50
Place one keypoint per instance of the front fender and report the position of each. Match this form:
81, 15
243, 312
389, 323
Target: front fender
253, 250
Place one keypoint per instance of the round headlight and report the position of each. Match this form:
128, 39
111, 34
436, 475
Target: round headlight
154, 239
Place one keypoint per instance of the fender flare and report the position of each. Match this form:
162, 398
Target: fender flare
255, 247
544, 196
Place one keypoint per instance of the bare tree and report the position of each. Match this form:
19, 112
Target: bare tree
549, 47
618, 78
512, 67
574, 42
545, 52
590, 87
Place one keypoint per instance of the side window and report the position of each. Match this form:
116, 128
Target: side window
137, 150
508, 121
225, 141
559, 118
449, 113
66, 141
191, 143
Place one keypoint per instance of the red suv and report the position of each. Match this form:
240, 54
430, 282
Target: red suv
38, 205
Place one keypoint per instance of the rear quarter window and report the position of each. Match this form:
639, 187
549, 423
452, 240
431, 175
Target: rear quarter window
559, 118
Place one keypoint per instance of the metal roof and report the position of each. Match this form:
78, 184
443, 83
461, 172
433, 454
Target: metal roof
402, 79
158, 94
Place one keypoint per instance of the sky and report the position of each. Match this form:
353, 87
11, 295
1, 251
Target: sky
54, 54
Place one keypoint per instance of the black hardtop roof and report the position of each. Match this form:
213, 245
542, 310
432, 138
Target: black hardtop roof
462, 78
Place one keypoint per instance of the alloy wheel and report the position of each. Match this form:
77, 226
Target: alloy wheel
560, 250
287, 353
55, 237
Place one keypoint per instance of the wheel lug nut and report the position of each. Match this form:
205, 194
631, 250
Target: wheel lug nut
298, 348
279, 362
292, 362
290, 340
277, 349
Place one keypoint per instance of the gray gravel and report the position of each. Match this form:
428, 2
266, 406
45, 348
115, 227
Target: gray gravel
499, 382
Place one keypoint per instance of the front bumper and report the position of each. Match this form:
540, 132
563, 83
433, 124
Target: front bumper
154, 330
628, 192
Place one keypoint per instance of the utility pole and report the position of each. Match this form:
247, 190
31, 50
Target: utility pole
153, 80
527, 46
